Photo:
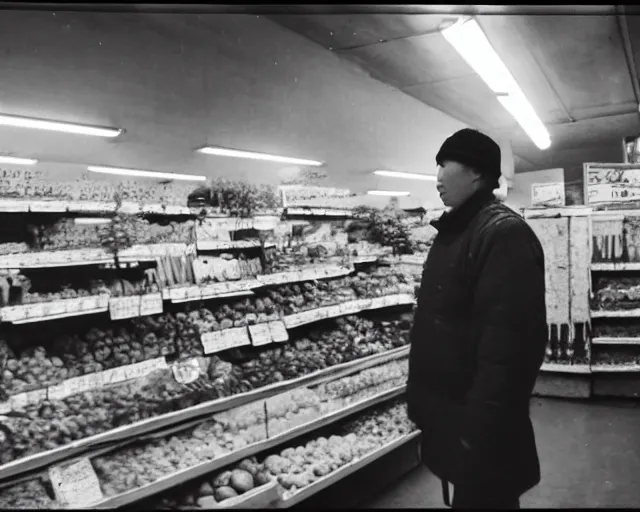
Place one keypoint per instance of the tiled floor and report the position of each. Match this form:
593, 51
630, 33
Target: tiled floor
589, 453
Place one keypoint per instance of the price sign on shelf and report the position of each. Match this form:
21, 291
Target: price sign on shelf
278, 331
151, 304
76, 484
124, 307
260, 334
144, 368
217, 341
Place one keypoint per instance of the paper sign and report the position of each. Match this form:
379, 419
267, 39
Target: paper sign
151, 304
21, 400
48, 206
278, 331
217, 341
260, 334
547, 194
178, 294
144, 368
76, 484
186, 372
124, 307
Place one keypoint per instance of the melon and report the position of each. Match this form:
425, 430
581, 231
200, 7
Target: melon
223, 493
241, 480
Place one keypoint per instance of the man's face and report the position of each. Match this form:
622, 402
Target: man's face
456, 183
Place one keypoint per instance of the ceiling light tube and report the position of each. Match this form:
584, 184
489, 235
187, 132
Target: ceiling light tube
57, 126
235, 153
146, 174
470, 42
395, 193
518, 106
406, 175
17, 161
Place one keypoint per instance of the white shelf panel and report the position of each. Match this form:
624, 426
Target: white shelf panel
565, 368
615, 368
621, 313
615, 267
615, 341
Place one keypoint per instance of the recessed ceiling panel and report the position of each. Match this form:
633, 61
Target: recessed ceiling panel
584, 58
412, 61
339, 32
468, 96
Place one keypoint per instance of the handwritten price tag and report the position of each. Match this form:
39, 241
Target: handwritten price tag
76, 485
151, 304
260, 334
144, 368
124, 307
218, 341
278, 331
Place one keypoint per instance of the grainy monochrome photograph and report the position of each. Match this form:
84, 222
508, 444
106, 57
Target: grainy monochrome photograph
319, 256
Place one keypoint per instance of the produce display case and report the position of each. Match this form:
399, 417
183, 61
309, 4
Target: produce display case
593, 286
190, 338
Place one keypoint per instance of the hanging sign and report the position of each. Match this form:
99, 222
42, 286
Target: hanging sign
611, 183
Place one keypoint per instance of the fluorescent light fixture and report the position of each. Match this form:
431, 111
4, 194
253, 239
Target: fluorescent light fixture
17, 161
57, 126
91, 220
470, 42
518, 106
388, 193
407, 175
235, 153
146, 174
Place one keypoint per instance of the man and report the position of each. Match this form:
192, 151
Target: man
479, 335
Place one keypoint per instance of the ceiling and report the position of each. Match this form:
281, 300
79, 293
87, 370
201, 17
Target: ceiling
578, 71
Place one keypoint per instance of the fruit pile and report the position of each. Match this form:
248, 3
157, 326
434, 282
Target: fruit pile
206, 493
13, 248
122, 232
353, 338
290, 410
383, 227
35, 184
619, 356
135, 466
616, 293
27, 495
240, 199
54, 423
296, 468
226, 267
626, 329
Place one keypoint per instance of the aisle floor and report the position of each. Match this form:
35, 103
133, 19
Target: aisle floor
589, 455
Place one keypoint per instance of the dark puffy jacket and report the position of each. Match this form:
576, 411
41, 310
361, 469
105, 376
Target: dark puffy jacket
477, 345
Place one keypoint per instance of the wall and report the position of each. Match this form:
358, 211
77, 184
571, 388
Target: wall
177, 82
520, 195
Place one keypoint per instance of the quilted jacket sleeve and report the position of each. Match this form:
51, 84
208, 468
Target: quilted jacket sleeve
509, 314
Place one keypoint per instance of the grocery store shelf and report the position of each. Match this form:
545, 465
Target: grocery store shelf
344, 471
52, 310
615, 341
615, 368
318, 212
261, 497
244, 287
228, 245
201, 411
66, 258
620, 313
347, 308
180, 477
615, 267
565, 368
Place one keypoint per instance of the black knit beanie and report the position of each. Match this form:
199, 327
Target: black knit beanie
475, 149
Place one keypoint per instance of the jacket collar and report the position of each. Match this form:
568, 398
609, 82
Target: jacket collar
458, 219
